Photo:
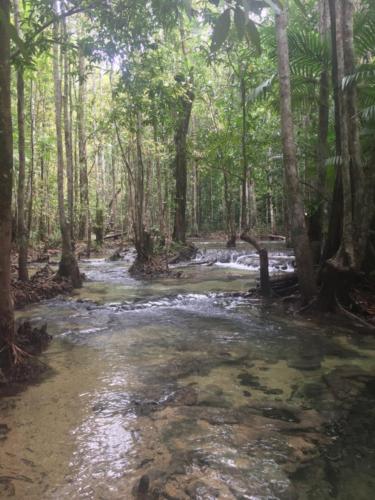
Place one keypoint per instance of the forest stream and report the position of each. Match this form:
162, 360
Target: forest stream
173, 388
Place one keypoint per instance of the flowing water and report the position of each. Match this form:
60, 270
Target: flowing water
176, 389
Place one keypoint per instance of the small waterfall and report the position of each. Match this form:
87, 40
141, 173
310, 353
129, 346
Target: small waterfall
245, 258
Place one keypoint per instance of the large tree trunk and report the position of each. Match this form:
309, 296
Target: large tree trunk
297, 216
341, 268
21, 226
84, 217
6, 172
68, 265
180, 164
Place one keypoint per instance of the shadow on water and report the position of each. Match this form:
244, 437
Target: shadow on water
175, 389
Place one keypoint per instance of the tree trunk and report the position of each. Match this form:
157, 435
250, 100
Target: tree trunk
229, 213
194, 203
32, 161
21, 226
159, 181
362, 197
346, 250
68, 265
68, 135
84, 218
265, 287
297, 220
335, 220
244, 221
6, 172
180, 164
322, 137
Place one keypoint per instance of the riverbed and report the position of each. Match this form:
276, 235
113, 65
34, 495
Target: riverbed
176, 388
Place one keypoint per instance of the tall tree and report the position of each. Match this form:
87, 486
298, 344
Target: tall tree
84, 218
68, 266
6, 172
297, 220
184, 108
68, 130
22, 236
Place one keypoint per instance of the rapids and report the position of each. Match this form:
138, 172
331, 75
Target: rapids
173, 388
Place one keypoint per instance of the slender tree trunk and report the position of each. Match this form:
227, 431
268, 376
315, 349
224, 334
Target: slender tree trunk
362, 197
244, 220
194, 226
335, 220
346, 250
21, 226
322, 138
68, 265
68, 135
32, 161
229, 212
159, 181
298, 226
180, 164
84, 219
6, 172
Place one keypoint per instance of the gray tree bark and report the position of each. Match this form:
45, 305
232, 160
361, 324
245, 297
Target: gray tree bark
68, 266
6, 172
21, 188
297, 215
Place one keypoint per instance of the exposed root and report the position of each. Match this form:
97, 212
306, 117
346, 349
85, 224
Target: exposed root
19, 360
18, 354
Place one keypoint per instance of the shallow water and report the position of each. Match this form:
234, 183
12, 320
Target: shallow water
202, 394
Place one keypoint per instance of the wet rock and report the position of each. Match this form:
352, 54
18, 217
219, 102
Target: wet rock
346, 382
185, 396
284, 414
273, 391
249, 380
305, 362
213, 396
143, 487
311, 390
7, 488
4, 429
198, 490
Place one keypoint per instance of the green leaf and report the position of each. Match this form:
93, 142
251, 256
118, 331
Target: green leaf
240, 22
221, 30
301, 7
253, 37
